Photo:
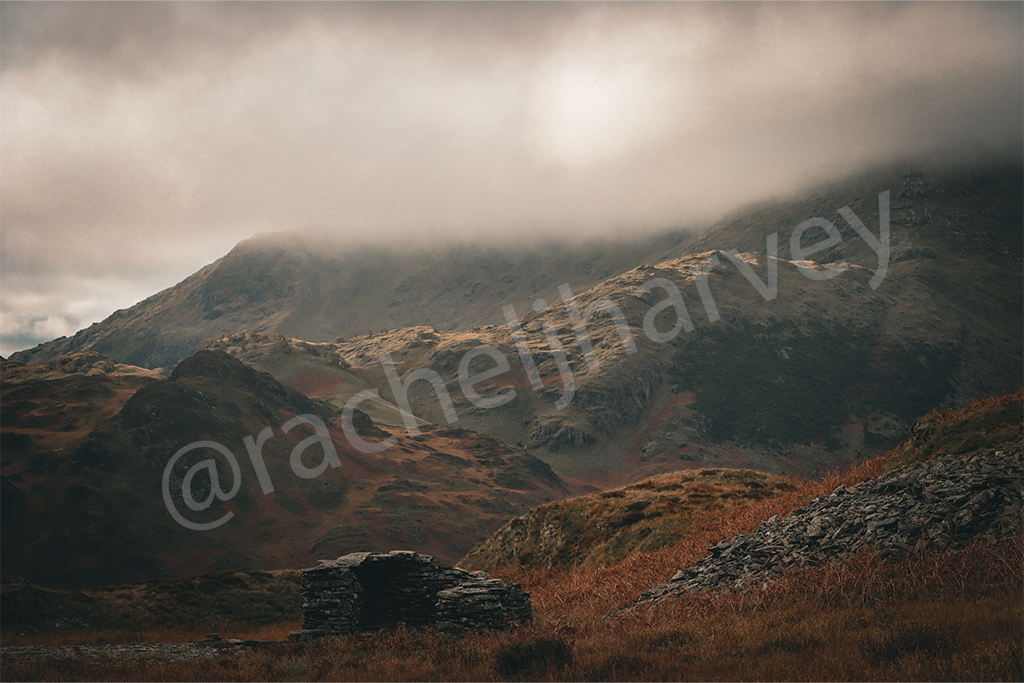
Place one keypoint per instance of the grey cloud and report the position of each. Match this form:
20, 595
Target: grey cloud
142, 39
138, 133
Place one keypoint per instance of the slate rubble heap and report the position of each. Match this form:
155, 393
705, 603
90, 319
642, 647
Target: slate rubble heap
932, 505
370, 591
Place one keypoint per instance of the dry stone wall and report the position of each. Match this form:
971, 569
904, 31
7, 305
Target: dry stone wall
941, 503
370, 591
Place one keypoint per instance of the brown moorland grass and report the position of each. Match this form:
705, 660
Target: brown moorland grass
138, 611
980, 405
938, 616
602, 529
155, 634
607, 588
987, 422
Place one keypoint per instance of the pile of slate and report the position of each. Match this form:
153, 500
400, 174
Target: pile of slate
363, 592
941, 503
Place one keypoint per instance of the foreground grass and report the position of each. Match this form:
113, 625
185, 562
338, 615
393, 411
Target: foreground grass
158, 634
210, 602
942, 616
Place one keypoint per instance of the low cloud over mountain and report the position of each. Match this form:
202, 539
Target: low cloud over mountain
143, 140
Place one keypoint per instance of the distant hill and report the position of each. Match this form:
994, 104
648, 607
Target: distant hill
604, 527
86, 447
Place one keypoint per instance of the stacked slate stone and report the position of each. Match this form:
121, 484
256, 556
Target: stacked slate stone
484, 603
331, 599
372, 591
933, 505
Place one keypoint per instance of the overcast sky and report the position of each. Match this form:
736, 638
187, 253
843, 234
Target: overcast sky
141, 141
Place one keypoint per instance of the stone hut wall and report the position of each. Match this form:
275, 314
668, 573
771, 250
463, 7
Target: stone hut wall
371, 591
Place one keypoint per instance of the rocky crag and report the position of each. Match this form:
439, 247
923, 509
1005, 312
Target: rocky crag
937, 504
371, 591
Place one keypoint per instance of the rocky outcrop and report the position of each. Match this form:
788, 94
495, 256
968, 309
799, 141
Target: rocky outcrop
371, 591
553, 433
84, 361
618, 399
932, 505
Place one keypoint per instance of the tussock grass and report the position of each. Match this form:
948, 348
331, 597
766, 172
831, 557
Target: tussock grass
605, 528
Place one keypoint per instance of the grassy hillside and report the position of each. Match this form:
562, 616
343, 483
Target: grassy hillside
210, 601
995, 424
604, 528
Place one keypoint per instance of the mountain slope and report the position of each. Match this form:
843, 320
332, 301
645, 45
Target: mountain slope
314, 289
831, 363
817, 376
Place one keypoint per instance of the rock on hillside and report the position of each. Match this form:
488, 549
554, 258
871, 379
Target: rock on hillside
371, 591
937, 504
